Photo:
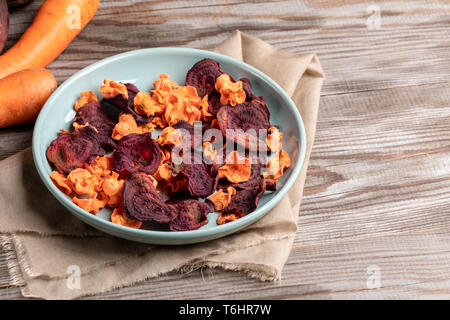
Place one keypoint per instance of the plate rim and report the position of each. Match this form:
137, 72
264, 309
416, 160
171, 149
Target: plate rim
119, 230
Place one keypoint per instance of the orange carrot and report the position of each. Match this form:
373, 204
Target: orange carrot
22, 95
54, 27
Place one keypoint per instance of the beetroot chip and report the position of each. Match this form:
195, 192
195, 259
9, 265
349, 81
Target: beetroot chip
245, 121
249, 95
246, 200
200, 180
271, 184
214, 103
115, 105
142, 202
203, 76
71, 150
191, 214
188, 132
94, 114
137, 153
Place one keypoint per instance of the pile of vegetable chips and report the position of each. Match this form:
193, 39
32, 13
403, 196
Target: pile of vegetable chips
169, 156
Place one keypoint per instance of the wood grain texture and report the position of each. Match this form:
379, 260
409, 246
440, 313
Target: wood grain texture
379, 177
411, 266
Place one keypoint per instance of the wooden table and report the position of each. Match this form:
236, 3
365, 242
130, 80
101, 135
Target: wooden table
376, 203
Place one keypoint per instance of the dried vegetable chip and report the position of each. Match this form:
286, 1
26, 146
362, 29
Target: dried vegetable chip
134, 177
119, 217
191, 214
222, 199
170, 136
277, 165
92, 187
110, 88
72, 150
225, 217
94, 115
246, 200
137, 153
203, 76
128, 125
63, 184
142, 202
230, 92
271, 184
164, 172
164, 87
86, 96
188, 133
201, 182
112, 187
184, 104
274, 138
114, 105
208, 151
91, 205
245, 122
146, 105
236, 169
83, 182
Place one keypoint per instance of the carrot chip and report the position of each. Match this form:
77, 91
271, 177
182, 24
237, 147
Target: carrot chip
61, 182
86, 96
170, 136
159, 122
274, 139
147, 105
208, 151
204, 107
91, 205
277, 165
163, 88
164, 172
128, 125
230, 92
183, 104
84, 183
222, 199
236, 169
112, 188
228, 217
119, 217
110, 88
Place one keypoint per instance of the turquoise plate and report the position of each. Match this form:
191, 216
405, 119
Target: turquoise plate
143, 67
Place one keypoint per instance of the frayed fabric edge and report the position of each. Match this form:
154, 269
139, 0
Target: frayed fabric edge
255, 271
12, 261
252, 270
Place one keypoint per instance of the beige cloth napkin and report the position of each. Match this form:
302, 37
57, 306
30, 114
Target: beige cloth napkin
47, 248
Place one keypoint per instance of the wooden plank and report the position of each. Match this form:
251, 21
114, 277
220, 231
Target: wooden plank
379, 169
412, 37
15, 139
380, 165
410, 266
409, 49
354, 58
